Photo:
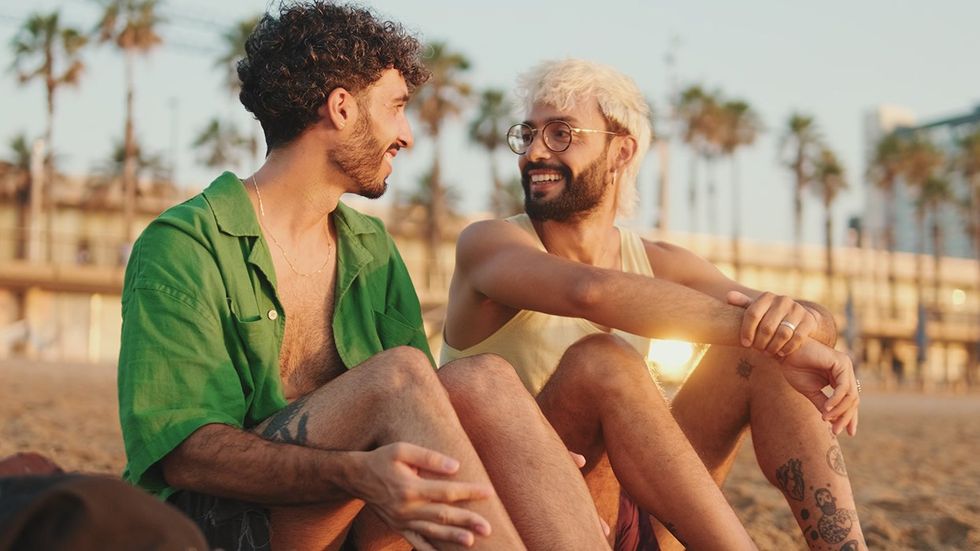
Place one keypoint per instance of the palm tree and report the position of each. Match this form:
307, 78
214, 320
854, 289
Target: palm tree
16, 171
740, 127
221, 144
47, 51
234, 41
441, 98
969, 165
132, 26
829, 181
885, 169
921, 160
487, 130
699, 114
934, 194
147, 165
801, 139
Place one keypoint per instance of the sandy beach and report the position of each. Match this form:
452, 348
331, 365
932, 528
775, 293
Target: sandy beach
915, 464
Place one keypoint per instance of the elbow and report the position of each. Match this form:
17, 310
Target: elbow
174, 470
587, 293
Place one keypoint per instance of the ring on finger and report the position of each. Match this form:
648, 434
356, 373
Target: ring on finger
789, 325
858, 381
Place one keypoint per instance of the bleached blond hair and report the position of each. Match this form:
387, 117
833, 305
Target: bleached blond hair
565, 83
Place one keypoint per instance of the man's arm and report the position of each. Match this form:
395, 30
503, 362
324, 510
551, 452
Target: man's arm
501, 262
764, 311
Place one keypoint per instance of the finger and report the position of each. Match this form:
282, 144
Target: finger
434, 533
605, 527
737, 298
579, 459
752, 316
417, 541
803, 330
852, 427
425, 459
769, 326
783, 333
447, 515
448, 491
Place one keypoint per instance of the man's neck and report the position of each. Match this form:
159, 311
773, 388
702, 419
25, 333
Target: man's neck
591, 239
298, 189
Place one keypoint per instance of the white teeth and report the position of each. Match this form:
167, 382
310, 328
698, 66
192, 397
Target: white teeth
535, 178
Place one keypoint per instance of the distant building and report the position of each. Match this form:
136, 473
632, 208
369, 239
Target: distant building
945, 133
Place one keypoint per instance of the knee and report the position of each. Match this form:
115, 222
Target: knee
483, 380
602, 356
403, 372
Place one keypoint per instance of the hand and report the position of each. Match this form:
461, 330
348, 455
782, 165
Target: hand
762, 326
814, 366
388, 480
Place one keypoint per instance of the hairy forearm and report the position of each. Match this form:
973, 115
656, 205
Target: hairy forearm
228, 462
658, 308
826, 331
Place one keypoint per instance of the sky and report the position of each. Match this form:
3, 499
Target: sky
833, 60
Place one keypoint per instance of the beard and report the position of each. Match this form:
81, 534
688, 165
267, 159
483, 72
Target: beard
581, 195
360, 159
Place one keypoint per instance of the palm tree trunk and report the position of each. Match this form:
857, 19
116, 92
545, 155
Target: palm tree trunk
47, 198
692, 194
129, 157
434, 223
663, 213
937, 251
890, 247
798, 221
497, 201
736, 219
828, 229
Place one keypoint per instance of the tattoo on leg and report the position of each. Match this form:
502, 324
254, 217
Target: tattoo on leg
835, 459
790, 477
835, 524
744, 368
278, 429
851, 545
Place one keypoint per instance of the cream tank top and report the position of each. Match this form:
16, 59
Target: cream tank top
533, 342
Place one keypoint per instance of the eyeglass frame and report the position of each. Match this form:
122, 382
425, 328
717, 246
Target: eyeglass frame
535, 131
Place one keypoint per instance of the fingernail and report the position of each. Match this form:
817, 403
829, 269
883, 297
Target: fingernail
465, 539
746, 342
450, 464
482, 529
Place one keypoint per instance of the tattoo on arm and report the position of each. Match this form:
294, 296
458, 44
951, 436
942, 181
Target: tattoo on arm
279, 430
744, 368
835, 459
790, 478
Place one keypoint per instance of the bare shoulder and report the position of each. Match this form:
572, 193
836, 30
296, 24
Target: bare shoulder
486, 237
677, 264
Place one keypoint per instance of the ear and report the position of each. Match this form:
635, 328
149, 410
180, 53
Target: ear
340, 108
622, 151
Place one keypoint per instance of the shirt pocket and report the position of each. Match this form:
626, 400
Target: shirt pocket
393, 329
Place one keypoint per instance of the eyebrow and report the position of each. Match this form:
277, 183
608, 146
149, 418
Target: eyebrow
569, 119
402, 98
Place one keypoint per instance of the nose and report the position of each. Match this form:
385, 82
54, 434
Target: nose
537, 151
405, 137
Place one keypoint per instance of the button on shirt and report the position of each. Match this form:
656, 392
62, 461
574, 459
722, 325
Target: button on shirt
196, 347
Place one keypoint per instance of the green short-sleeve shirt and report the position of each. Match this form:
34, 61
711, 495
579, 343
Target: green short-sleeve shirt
202, 323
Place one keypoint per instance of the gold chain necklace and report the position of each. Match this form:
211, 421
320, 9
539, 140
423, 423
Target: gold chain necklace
278, 245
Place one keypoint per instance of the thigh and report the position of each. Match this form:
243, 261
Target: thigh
226, 523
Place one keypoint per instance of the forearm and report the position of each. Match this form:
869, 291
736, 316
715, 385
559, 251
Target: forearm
658, 308
228, 462
826, 331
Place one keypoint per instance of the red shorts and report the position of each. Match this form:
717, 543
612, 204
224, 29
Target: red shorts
634, 532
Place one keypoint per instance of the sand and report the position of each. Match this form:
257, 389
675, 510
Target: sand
915, 464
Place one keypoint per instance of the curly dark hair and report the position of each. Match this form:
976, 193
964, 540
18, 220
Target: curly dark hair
293, 62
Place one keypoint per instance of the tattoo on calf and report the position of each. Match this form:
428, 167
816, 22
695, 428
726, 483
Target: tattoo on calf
835, 459
790, 478
835, 524
744, 368
278, 429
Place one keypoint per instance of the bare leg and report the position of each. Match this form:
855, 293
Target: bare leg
602, 399
393, 397
529, 465
734, 389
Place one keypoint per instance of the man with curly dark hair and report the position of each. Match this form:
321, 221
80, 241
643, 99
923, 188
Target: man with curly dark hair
274, 375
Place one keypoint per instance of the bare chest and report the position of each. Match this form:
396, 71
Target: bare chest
308, 357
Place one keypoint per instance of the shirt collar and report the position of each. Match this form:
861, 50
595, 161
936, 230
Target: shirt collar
235, 215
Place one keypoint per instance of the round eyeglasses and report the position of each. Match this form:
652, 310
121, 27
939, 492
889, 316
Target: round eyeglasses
557, 136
